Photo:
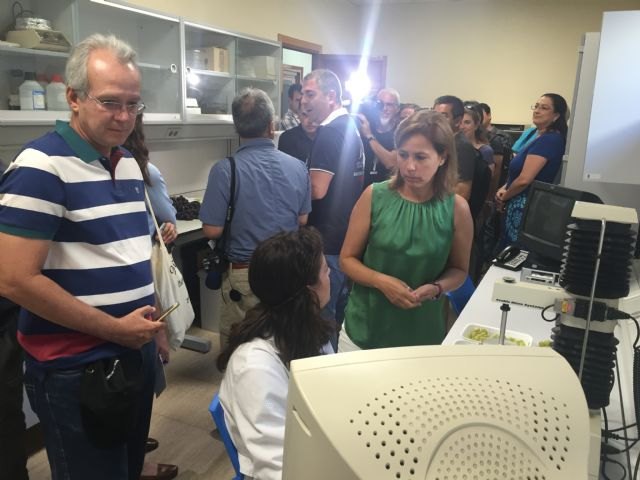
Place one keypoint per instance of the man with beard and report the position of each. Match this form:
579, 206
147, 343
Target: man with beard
379, 148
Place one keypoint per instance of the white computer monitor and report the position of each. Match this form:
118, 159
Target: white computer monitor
436, 412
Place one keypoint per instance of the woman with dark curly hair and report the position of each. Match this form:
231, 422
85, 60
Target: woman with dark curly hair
539, 160
290, 277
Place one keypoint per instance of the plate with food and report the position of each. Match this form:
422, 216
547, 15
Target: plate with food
486, 335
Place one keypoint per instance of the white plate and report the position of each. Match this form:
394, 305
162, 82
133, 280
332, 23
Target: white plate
511, 336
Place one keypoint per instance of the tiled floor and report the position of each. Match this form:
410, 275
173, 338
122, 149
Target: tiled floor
181, 420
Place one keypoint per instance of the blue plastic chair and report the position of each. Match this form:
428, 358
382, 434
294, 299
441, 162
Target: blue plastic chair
215, 408
459, 298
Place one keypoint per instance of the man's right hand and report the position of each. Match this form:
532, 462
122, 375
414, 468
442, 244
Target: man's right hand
364, 127
135, 329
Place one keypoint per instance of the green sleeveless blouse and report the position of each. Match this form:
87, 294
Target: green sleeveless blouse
410, 241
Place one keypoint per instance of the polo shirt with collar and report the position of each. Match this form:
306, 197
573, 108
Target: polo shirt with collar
338, 151
59, 188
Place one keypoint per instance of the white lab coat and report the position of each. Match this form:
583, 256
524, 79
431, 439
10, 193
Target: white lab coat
253, 394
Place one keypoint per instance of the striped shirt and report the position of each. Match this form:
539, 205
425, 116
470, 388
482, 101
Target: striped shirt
59, 188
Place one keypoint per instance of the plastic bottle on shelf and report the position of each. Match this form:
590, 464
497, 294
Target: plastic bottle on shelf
32, 96
41, 78
57, 94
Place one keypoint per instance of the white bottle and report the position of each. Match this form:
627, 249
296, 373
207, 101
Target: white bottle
57, 94
32, 96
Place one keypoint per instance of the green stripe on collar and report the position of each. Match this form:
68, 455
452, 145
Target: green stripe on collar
79, 145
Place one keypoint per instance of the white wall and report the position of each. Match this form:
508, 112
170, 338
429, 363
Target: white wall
185, 165
334, 24
299, 59
503, 52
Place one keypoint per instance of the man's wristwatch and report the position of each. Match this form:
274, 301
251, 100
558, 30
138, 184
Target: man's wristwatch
370, 138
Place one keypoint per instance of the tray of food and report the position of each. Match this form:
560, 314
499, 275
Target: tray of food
484, 334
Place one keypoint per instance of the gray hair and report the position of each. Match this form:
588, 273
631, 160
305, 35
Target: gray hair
252, 112
391, 91
76, 69
327, 81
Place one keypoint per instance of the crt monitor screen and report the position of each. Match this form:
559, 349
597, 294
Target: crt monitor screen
545, 219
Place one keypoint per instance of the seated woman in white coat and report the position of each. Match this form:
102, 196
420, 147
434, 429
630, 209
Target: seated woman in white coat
290, 277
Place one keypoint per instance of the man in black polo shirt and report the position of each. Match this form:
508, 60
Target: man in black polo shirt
336, 167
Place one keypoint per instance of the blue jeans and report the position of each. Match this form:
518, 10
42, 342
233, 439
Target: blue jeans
55, 397
334, 310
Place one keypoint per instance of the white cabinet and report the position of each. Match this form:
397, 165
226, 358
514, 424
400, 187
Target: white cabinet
190, 72
613, 143
155, 38
258, 66
210, 73
15, 61
220, 64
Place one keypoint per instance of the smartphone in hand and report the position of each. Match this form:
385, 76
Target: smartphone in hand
166, 313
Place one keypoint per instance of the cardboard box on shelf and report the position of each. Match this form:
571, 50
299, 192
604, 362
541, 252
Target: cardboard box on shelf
216, 59
264, 66
245, 67
259, 66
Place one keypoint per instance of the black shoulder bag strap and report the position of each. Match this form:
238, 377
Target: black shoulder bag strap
227, 221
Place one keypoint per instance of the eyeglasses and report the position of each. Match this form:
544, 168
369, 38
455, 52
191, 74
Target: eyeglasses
116, 107
383, 105
541, 106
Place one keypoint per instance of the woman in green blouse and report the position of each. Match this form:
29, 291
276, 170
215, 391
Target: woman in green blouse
408, 242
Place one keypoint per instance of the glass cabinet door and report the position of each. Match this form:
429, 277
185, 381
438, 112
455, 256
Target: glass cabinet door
258, 66
210, 73
41, 49
156, 39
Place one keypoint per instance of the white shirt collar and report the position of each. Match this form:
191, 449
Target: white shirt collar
335, 114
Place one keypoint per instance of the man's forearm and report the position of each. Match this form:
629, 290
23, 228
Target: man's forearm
45, 298
388, 158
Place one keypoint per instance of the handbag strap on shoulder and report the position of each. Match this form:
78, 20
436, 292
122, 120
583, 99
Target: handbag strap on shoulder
153, 215
226, 232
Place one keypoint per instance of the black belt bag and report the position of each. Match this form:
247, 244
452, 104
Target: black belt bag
109, 397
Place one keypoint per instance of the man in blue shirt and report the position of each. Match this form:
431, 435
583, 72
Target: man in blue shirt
272, 194
336, 167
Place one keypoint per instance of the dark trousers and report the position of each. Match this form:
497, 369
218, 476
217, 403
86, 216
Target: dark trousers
13, 458
55, 397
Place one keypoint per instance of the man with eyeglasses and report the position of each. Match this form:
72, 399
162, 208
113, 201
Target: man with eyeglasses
379, 147
76, 256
